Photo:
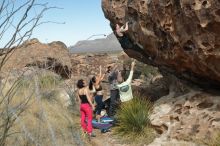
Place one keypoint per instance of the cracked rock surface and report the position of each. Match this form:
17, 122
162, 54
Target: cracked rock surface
180, 37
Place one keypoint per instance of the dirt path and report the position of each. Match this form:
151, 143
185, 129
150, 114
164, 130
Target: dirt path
105, 139
101, 139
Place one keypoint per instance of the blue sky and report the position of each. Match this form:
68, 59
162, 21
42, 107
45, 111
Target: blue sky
83, 18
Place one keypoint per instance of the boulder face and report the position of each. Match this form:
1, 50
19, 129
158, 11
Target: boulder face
193, 116
180, 37
53, 56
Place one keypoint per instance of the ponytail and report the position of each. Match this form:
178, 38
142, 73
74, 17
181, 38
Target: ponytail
93, 80
90, 85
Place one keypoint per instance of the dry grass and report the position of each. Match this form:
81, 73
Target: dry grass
215, 141
42, 122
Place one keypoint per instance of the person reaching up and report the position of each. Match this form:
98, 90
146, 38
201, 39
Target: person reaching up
125, 90
120, 30
114, 78
95, 84
122, 37
128, 45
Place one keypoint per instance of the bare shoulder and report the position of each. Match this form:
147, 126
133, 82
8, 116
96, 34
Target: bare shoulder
82, 91
86, 90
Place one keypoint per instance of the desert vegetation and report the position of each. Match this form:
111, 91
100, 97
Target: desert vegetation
134, 123
33, 112
215, 141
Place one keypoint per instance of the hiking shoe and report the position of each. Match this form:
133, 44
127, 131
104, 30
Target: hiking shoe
91, 135
105, 130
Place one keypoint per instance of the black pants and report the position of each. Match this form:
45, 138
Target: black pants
100, 104
114, 102
125, 42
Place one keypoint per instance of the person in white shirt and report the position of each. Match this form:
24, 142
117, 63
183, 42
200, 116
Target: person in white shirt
124, 88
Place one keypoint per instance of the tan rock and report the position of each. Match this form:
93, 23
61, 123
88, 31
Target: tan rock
192, 117
53, 56
179, 37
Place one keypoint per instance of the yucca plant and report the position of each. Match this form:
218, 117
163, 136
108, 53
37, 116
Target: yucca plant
133, 117
134, 123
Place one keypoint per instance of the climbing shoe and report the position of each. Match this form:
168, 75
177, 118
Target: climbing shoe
105, 130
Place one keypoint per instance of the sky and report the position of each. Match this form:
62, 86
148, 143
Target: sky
83, 18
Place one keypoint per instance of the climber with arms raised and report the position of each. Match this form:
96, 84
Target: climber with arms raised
127, 44
122, 38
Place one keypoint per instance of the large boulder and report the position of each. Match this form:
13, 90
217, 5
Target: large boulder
193, 116
53, 56
180, 37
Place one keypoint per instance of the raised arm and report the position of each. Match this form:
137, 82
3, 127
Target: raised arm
124, 28
120, 30
131, 73
132, 65
101, 76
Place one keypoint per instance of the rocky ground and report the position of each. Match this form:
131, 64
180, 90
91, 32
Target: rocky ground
183, 114
179, 110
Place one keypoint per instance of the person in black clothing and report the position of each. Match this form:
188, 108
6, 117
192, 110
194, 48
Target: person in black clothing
86, 107
122, 38
128, 45
95, 84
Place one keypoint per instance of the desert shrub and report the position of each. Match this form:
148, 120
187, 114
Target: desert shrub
25, 82
215, 141
28, 117
49, 81
134, 122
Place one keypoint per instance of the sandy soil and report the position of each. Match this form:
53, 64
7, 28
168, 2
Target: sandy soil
105, 139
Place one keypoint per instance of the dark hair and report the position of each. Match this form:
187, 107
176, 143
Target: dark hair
109, 68
80, 84
93, 80
113, 26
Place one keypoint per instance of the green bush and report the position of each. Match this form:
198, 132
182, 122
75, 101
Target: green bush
134, 122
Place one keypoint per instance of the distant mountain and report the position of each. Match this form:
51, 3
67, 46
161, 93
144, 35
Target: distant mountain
108, 44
